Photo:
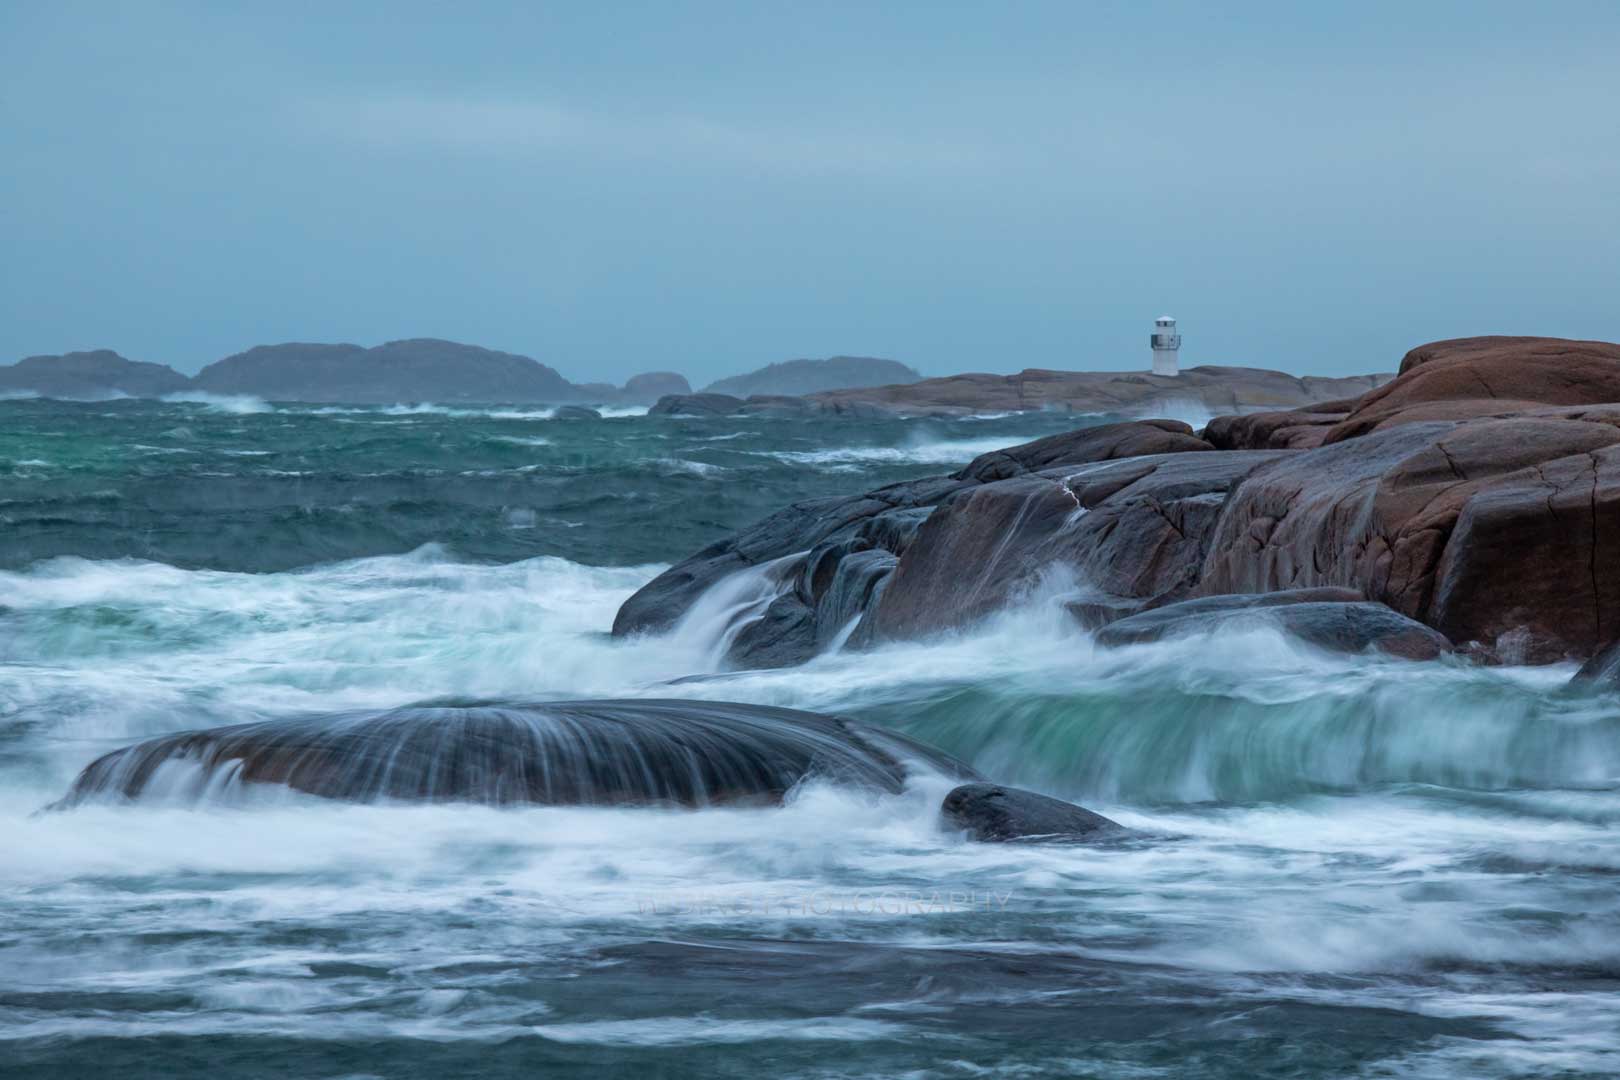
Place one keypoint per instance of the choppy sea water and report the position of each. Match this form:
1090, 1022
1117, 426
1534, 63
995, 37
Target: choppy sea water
1343, 867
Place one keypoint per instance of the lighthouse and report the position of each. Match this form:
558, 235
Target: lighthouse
1165, 342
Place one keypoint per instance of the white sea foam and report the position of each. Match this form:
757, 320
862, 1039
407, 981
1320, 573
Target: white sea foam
237, 404
1341, 830
920, 452
1193, 412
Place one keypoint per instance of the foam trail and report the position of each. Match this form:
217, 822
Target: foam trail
235, 404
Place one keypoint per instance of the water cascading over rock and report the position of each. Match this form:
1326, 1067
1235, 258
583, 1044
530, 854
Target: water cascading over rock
587, 753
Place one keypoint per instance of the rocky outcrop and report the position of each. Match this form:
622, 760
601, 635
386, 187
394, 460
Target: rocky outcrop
789, 542
1487, 376
996, 814
696, 405
825, 570
799, 377
591, 753
1217, 389
1286, 429
647, 389
1338, 620
1494, 521
100, 373
1131, 529
1107, 442
1493, 531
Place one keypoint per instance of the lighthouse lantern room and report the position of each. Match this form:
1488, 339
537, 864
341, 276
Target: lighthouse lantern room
1165, 341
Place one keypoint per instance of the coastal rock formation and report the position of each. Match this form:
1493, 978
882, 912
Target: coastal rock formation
1487, 376
1135, 528
1492, 521
992, 813
100, 373
1216, 389
1334, 619
799, 377
1107, 442
802, 578
696, 405
418, 369
1492, 530
588, 753
1285, 429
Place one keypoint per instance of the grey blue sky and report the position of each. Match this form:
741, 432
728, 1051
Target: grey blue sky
619, 187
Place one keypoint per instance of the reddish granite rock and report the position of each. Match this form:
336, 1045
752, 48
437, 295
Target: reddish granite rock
1481, 529
1136, 528
1290, 429
1457, 379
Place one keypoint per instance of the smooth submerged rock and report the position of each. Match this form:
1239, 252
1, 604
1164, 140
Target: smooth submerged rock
990, 812
575, 412
1329, 618
695, 405
592, 753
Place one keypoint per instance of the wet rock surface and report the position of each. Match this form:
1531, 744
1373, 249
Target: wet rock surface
1478, 493
591, 753
819, 596
992, 813
1334, 619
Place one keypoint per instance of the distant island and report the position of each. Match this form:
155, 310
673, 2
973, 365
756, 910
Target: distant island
430, 369
794, 378
414, 369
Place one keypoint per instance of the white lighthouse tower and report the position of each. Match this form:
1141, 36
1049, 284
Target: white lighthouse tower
1165, 342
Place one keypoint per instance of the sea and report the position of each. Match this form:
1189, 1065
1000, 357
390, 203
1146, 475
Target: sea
1339, 866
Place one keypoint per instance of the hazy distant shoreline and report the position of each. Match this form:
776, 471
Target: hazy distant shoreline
431, 370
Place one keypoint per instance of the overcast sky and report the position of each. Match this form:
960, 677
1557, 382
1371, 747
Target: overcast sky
614, 187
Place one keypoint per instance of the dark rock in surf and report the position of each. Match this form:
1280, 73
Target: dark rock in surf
1602, 670
798, 528
575, 412
990, 812
1329, 618
588, 753
696, 405
819, 597
648, 388
776, 407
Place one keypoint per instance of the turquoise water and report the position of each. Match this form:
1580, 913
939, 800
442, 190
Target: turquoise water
1344, 867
